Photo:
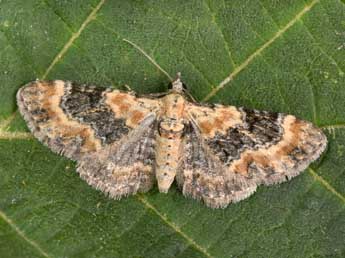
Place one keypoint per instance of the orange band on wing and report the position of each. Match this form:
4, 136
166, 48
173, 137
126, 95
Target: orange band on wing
277, 154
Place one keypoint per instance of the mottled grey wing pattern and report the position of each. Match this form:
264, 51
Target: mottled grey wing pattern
98, 127
74, 119
226, 151
202, 176
124, 168
232, 150
40, 104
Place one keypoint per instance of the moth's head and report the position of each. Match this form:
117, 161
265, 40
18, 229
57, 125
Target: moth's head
177, 85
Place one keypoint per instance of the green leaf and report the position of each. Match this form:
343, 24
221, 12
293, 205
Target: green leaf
277, 55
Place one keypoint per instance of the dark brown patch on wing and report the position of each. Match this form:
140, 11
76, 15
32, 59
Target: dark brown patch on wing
203, 177
300, 144
229, 166
263, 125
258, 129
228, 147
126, 168
85, 104
39, 103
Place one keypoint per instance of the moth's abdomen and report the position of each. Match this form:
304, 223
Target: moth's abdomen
169, 140
168, 152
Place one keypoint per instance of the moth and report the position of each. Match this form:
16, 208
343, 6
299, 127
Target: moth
124, 143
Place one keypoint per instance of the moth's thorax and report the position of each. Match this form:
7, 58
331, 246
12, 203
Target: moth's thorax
169, 139
173, 106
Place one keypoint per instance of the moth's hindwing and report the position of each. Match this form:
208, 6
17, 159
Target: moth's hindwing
124, 168
202, 176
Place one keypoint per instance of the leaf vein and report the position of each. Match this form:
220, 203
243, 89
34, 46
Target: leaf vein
119, 235
92, 63
295, 207
321, 48
214, 21
327, 185
149, 58
313, 99
176, 228
58, 15
256, 53
197, 69
15, 136
21, 56
268, 14
22, 235
74, 36
226, 229
6, 122
334, 126
280, 92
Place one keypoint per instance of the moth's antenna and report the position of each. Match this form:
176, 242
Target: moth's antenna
149, 58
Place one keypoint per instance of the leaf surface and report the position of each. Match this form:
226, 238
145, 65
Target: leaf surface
277, 55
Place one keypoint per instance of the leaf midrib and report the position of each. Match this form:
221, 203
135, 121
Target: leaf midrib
22, 235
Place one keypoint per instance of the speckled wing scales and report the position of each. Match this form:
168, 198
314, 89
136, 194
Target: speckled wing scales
126, 167
202, 176
219, 154
239, 149
85, 122
40, 104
